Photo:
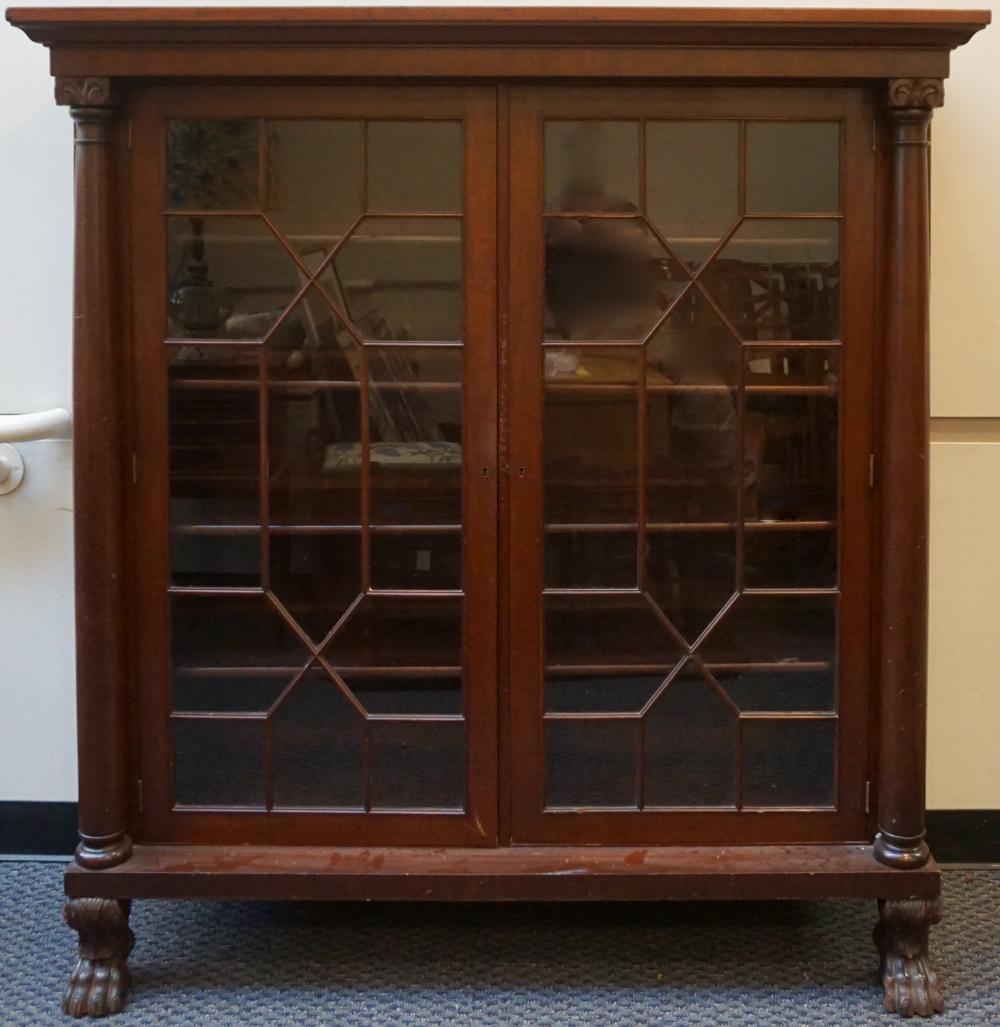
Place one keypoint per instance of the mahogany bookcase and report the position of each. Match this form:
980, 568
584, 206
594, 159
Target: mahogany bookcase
512, 434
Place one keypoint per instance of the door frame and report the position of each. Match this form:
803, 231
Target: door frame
849, 818
148, 501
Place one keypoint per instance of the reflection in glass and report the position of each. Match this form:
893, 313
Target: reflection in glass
789, 762
400, 631
779, 689
313, 181
400, 278
234, 631
606, 278
779, 279
205, 690
400, 694
600, 693
590, 763
693, 346
590, 439
790, 559
690, 746
416, 560
213, 164
692, 183
219, 762
621, 630
418, 764
590, 559
793, 167
592, 166
214, 484
802, 366
309, 428
791, 457
774, 629
313, 343
318, 747
691, 575
316, 577
228, 278
415, 167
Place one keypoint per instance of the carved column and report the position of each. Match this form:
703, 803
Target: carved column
98, 481
903, 690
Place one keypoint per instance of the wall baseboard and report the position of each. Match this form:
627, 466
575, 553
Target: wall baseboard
49, 829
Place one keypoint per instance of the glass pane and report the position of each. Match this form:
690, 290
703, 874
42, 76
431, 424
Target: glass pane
415, 166
606, 278
691, 575
315, 456
591, 439
394, 631
219, 762
590, 559
619, 631
316, 577
416, 560
780, 689
774, 629
690, 746
224, 690
313, 343
789, 762
318, 747
692, 183
408, 693
790, 559
418, 764
779, 279
693, 456
791, 457
805, 366
241, 631
213, 165
793, 167
200, 362
401, 278
591, 165
693, 347
313, 181
590, 763
600, 693
228, 278
214, 486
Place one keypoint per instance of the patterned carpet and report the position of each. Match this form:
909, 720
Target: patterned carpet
220, 964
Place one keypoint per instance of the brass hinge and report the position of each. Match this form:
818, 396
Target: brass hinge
871, 470
868, 796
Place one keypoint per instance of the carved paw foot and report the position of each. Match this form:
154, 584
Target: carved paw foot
911, 985
98, 985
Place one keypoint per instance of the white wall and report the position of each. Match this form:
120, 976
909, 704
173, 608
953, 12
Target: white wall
37, 748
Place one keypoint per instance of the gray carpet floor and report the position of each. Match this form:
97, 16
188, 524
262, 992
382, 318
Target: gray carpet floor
223, 964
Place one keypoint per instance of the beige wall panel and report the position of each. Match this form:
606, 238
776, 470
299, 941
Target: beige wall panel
964, 721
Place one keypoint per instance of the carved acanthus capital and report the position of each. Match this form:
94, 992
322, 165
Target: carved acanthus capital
83, 92
920, 93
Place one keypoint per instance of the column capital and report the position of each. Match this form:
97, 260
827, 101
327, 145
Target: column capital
915, 93
84, 92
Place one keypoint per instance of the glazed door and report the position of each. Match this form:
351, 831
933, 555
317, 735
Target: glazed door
690, 417
315, 382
